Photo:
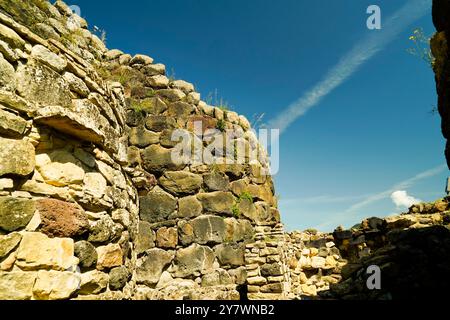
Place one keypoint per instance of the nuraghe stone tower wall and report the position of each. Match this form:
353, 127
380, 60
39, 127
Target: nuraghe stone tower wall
92, 203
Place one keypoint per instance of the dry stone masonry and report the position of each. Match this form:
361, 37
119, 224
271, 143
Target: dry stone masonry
94, 204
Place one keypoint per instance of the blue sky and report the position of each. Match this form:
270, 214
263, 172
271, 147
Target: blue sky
342, 159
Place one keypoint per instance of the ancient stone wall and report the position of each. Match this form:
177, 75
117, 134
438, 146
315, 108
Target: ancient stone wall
93, 200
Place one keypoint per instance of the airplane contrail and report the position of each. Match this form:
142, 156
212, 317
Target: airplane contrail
350, 63
385, 194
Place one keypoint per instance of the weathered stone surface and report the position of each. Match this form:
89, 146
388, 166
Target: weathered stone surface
215, 181
145, 237
180, 110
193, 98
113, 54
159, 123
94, 184
83, 121
230, 254
167, 238
60, 168
40, 84
158, 81
273, 269
172, 94
16, 157
7, 75
189, 207
37, 251
154, 69
141, 59
193, 260
181, 182
113, 176
248, 209
86, 254
54, 285
50, 59
238, 230
217, 202
109, 256
208, 229
8, 243
156, 159
17, 285
185, 233
118, 278
104, 230
6, 184
12, 125
61, 219
93, 282
157, 205
217, 278
150, 269
11, 37
257, 281
77, 85
186, 87
15, 213
141, 137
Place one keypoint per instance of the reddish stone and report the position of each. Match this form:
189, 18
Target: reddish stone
61, 219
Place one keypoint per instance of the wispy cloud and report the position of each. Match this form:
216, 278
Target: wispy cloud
350, 63
321, 199
383, 195
402, 199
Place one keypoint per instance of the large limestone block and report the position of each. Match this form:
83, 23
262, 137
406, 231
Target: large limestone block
94, 184
12, 125
93, 282
189, 207
39, 84
7, 75
217, 202
11, 37
52, 60
141, 137
37, 251
157, 205
230, 254
145, 237
149, 270
181, 182
17, 285
238, 230
83, 120
193, 260
109, 256
205, 229
8, 243
15, 213
54, 285
17, 157
60, 168
157, 159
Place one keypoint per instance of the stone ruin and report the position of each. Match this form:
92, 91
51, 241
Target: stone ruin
93, 205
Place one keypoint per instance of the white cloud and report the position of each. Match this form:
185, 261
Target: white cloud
403, 200
350, 63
